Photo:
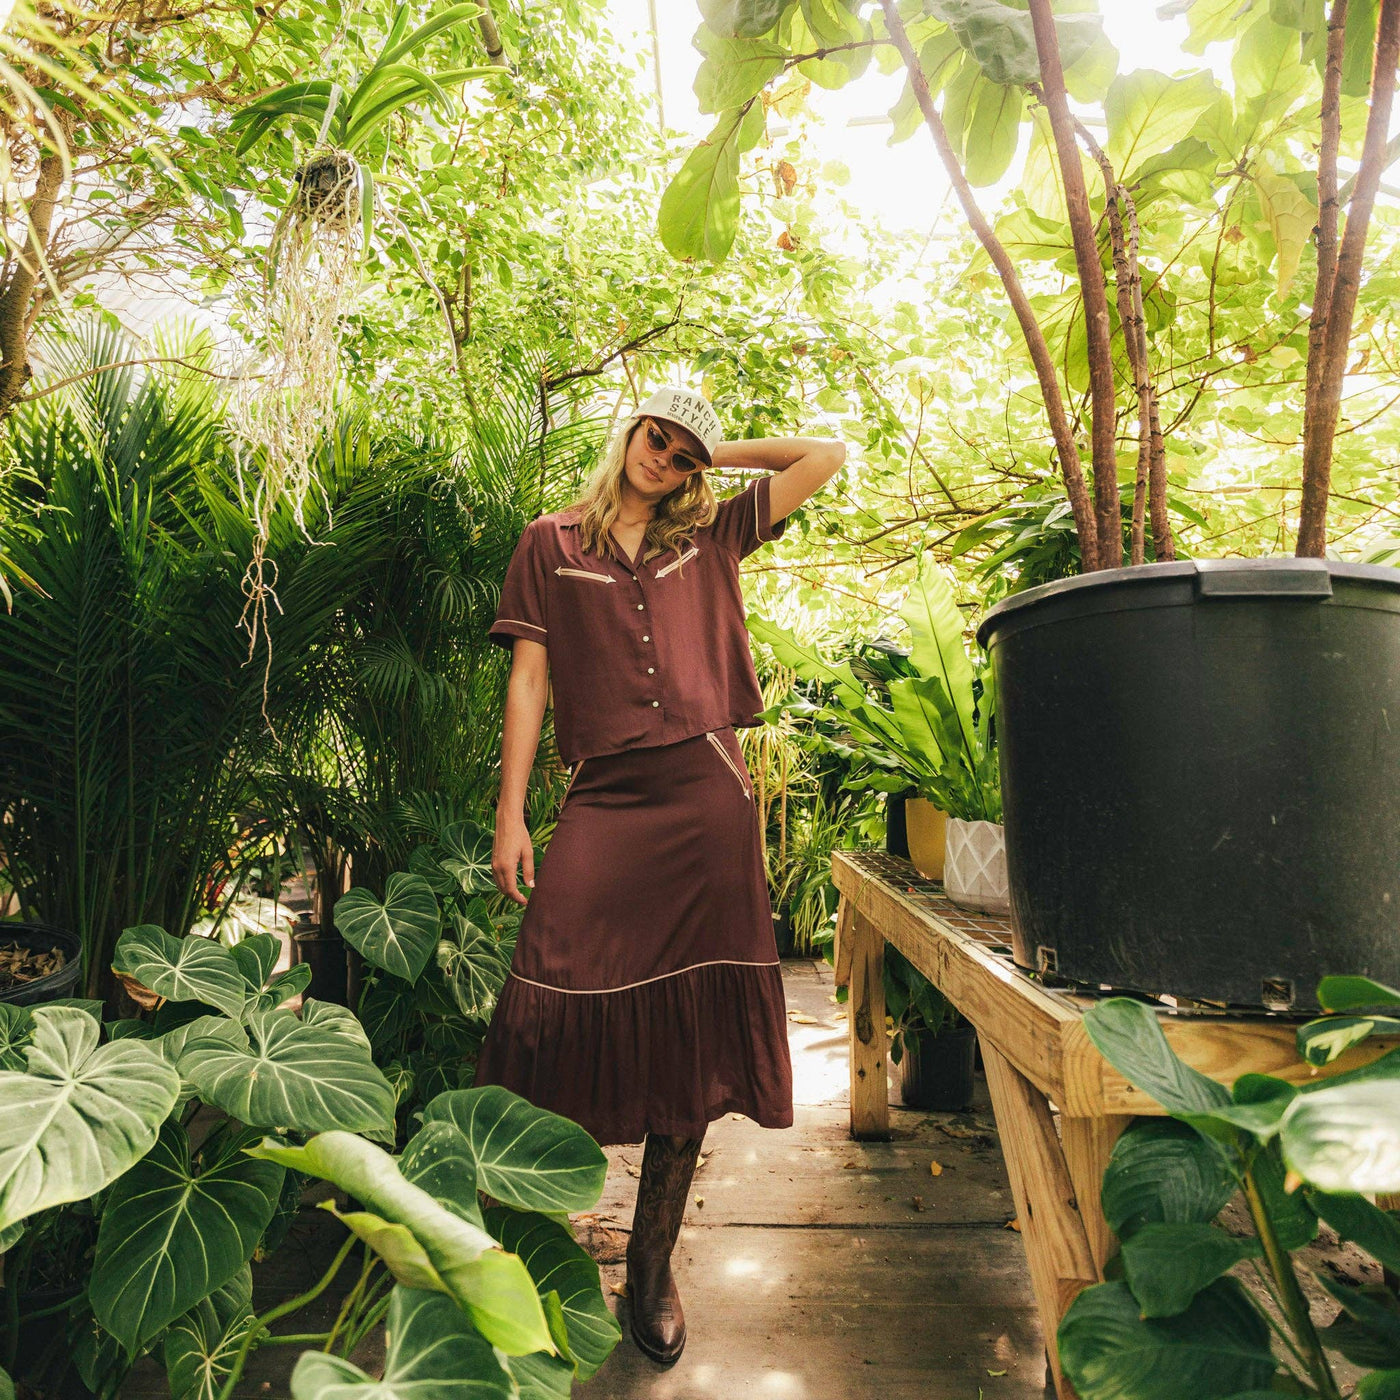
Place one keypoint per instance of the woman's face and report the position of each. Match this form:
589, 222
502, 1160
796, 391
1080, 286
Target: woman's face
649, 470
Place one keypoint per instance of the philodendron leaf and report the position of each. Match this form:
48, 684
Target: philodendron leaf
557, 1263
181, 969
525, 1156
1164, 1172
1168, 1265
434, 1354
440, 1160
473, 965
1346, 1139
295, 1074
445, 1251
79, 1115
170, 1237
281, 989
1218, 1347
335, 1020
16, 1026
398, 932
256, 955
200, 1346
1127, 1034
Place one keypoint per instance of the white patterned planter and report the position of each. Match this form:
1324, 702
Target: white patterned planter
974, 869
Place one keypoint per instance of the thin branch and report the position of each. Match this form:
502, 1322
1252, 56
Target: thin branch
1071, 467
1108, 504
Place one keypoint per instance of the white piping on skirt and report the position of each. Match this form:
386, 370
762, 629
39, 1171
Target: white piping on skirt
600, 991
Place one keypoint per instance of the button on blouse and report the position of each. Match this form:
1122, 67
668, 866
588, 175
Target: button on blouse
615, 685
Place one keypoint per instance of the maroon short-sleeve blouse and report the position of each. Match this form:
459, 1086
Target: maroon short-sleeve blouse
640, 653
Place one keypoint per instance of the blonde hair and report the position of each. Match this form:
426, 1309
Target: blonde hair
678, 515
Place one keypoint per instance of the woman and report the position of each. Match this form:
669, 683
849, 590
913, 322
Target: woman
645, 998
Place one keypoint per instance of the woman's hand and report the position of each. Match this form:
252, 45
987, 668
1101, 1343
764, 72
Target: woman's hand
510, 852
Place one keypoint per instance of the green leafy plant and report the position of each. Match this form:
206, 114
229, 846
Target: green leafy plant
937, 730
440, 958
913, 1003
502, 1297
1173, 1320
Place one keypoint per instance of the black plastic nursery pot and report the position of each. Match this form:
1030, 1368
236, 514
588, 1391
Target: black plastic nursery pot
937, 1070
324, 950
40, 938
1200, 770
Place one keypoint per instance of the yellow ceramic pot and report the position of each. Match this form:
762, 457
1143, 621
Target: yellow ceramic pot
928, 831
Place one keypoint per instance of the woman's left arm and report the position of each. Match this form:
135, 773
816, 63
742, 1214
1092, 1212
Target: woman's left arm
804, 465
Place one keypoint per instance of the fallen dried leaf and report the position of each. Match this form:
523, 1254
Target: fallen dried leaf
700, 1201
1013, 1225
996, 1373
850, 1166
803, 1019
935, 1168
620, 1289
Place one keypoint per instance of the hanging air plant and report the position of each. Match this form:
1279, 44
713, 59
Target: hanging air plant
283, 411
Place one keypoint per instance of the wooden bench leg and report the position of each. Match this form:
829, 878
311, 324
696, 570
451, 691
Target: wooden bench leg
1057, 1245
1088, 1144
860, 960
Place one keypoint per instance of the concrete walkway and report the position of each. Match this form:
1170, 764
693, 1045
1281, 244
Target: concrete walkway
817, 1268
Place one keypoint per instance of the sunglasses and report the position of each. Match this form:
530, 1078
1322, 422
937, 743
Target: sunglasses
657, 441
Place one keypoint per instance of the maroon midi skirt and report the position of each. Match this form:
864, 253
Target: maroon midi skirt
645, 994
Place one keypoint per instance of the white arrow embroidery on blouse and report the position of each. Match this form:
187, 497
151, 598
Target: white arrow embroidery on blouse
584, 573
676, 563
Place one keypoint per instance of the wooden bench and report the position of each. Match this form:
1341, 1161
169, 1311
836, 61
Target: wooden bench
1042, 1070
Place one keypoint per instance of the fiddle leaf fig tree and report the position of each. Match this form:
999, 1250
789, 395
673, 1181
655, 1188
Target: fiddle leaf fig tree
1187, 168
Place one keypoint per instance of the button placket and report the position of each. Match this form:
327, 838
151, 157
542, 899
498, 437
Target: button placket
646, 636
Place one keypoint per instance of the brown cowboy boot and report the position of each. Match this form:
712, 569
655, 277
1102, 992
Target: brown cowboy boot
654, 1305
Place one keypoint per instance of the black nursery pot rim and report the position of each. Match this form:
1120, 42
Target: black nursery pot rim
52, 984
1280, 576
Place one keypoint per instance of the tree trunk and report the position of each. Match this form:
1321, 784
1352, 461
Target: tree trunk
25, 273
1108, 508
1330, 330
1066, 449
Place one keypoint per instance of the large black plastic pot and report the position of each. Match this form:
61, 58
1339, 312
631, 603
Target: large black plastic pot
41, 938
1200, 771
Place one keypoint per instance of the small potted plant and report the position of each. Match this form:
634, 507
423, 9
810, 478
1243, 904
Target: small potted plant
936, 731
934, 1047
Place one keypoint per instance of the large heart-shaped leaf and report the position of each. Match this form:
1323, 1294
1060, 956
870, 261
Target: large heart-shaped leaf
525, 1156
200, 1346
79, 1115
170, 1237
439, 1159
334, 1019
398, 932
557, 1263
424, 1243
434, 1354
307, 1077
474, 964
1218, 1347
181, 969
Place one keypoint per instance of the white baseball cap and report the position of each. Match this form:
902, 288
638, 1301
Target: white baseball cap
687, 409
